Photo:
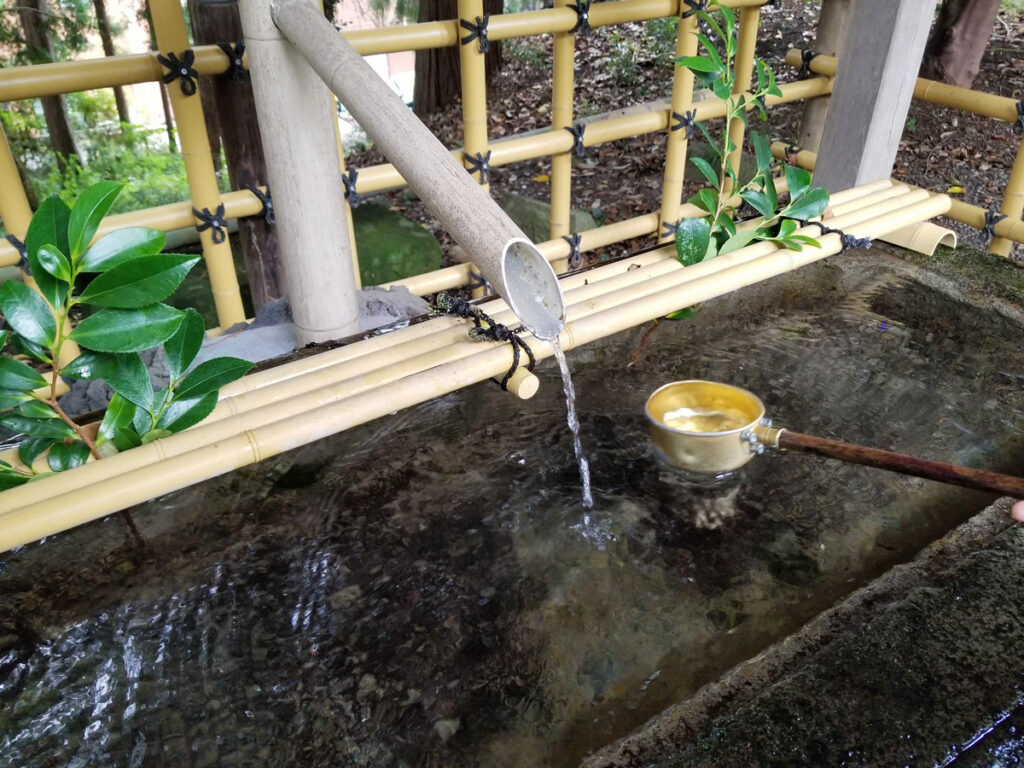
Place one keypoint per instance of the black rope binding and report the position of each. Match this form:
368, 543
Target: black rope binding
791, 152
22, 252
577, 134
234, 53
669, 228
268, 204
575, 257
349, 180
212, 221
582, 9
1018, 127
485, 329
480, 164
694, 5
849, 241
806, 57
477, 32
180, 70
991, 219
476, 280
687, 120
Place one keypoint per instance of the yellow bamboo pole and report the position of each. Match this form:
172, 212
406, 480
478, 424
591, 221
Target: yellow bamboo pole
563, 50
171, 36
743, 68
1013, 202
676, 143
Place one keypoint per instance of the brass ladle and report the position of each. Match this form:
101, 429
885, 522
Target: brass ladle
712, 428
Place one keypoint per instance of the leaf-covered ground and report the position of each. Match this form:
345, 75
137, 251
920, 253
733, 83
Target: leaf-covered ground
617, 67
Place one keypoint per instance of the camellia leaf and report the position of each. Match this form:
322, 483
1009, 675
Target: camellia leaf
125, 438
155, 434
120, 246
10, 400
53, 261
698, 63
704, 199
119, 414
212, 375
705, 167
67, 455
27, 313
181, 349
90, 365
4, 335
762, 152
737, 241
18, 377
130, 379
30, 349
182, 414
809, 205
786, 228
36, 409
692, 239
37, 427
10, 479
128, 330
49, 225
798, 181
139, 282
87, 214
759, 200
682, 314
31, 448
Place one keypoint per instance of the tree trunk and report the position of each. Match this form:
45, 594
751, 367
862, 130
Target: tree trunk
232, 121
103, 25
172, 144
958, 41
33, 14
437, 69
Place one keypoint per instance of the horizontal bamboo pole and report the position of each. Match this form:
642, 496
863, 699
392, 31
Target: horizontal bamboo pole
978, 103
618, 311
283, 393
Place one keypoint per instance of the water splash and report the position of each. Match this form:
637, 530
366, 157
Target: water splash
574, 423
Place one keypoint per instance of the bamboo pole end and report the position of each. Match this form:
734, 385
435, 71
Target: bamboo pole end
523, 384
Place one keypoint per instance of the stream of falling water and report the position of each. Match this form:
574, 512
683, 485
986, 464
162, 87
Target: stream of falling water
574, 423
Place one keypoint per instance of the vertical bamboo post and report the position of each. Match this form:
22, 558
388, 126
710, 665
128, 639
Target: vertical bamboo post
473, 72
16, 214
1013, 201
743, 67
172, 37
676, 143
562, 83
298, 124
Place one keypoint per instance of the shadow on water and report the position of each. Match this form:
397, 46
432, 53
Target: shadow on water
420, 591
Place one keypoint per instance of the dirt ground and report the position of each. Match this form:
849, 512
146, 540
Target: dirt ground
942, 149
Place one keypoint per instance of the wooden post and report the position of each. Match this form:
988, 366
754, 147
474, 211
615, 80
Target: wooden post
883, 47
831, 22
234, 113
298, 125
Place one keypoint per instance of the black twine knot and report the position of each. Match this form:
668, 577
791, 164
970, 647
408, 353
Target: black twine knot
476, 280
481, 164
582, 9
268, 203
991, 219
486, 329
234, 53
22, 252
847, 240
575, 257
695, 6
669, 228
477, 32
1018, 127
687, 120
349, 180
180, 70
806, 57
215, 222
577, 134
791, 152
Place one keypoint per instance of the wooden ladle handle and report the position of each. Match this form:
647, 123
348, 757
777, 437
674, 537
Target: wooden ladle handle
979, 479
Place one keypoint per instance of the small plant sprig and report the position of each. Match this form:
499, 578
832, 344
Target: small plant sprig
125, 278
705, 237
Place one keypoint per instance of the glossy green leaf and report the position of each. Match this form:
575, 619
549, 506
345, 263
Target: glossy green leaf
139, 282
90, 365
705, 199
4, 336
711, 50
698, 63
728, 226
211, 375
710, 140
27, 313
30, 349
692, 238
128, 330
121, 246
36, 409
705, 167
11, 479
87, 214
155, 434
712, 22
762, 152
786, 228
712, 249
53, 261
682, 314
792, 243
181, 349
30, 449
130, 379
37, 427
720, 88
10, 400
182, 414
17, 377
759, 200
798, 181
120, 412
811, 204
742, 238
49, 225
728, 20
65, 456
125, 438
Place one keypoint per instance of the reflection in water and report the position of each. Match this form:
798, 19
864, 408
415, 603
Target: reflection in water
422, 591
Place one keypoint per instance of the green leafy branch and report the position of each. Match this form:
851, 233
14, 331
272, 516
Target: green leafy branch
716, 233
126, 278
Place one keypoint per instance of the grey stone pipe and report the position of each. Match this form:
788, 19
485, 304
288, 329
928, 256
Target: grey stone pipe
500, 250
